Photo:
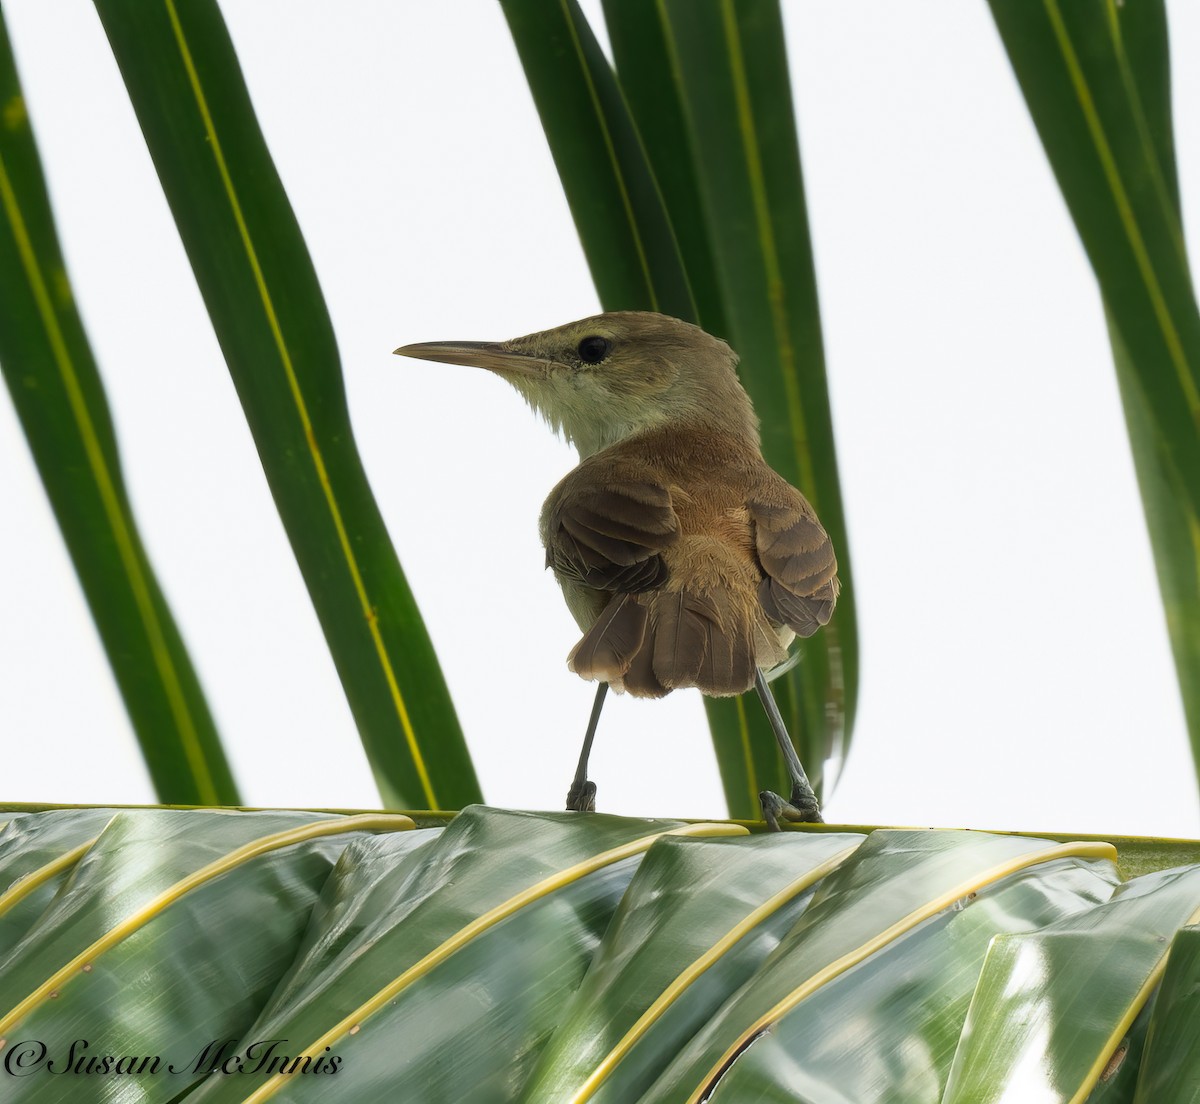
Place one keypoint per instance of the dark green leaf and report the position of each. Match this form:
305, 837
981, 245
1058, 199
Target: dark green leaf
736, 92
1077, 83
1096, 79
1173, 525
708, 90
648, 80
262, 294
613, 197
1170, 516
59, 399
1170, 1072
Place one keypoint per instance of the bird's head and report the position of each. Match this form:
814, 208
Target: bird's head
604, 378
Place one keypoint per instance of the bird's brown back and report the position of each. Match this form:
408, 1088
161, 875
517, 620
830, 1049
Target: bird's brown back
687, 560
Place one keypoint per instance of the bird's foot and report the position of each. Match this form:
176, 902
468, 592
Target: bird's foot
581, 798
802, 808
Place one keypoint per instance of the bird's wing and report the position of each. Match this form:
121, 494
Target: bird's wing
800, 584
610, 535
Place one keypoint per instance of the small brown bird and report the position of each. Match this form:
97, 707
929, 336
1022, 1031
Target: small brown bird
685, 559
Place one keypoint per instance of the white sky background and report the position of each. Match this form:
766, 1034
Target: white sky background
1015, 665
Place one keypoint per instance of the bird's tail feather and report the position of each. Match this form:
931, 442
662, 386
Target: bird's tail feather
608, 647
650, 644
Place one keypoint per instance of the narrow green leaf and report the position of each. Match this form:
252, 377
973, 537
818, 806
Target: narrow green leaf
1170, 1072
732, 72
614, 200
895, 882
1174, 529
887, 1033
56, 390
442, 976
648, 76
1170, 516
697, 920
262, 294
171, 933
1069, 62
1096, 79
709, 93
1053, 1006
1145, 54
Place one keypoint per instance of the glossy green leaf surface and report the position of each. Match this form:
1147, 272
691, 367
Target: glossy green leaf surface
37, 854
697, 920
704, 93
462, 954
361, 889
894, 882
1096, 79
511, 956
171, 932
1052, 1006
1118, 1080
1170, 1071
60, 401
261, 291
887, 1034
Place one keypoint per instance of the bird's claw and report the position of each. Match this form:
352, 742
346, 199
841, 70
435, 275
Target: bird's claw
802, 808
581, 797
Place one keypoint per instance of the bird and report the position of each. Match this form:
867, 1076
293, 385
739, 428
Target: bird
683, 556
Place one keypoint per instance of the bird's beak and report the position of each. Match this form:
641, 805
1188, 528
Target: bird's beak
479, 354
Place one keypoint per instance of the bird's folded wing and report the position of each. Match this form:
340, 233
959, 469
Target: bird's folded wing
800, 586
610, 536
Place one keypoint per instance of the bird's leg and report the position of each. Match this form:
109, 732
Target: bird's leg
802, 804
581, 797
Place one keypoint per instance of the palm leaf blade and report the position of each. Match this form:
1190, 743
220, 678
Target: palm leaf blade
697, 920
56, 389
890, 1033
689, 93
1168, 1072
612, 194
261, 291
115, 959
1096, 80
1052, 1006
504, 908
892, 884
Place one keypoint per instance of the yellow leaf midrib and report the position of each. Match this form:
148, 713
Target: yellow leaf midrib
141, 916
930, 908
351, 1023
318, 460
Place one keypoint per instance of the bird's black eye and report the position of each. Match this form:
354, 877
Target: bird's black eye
592, 350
